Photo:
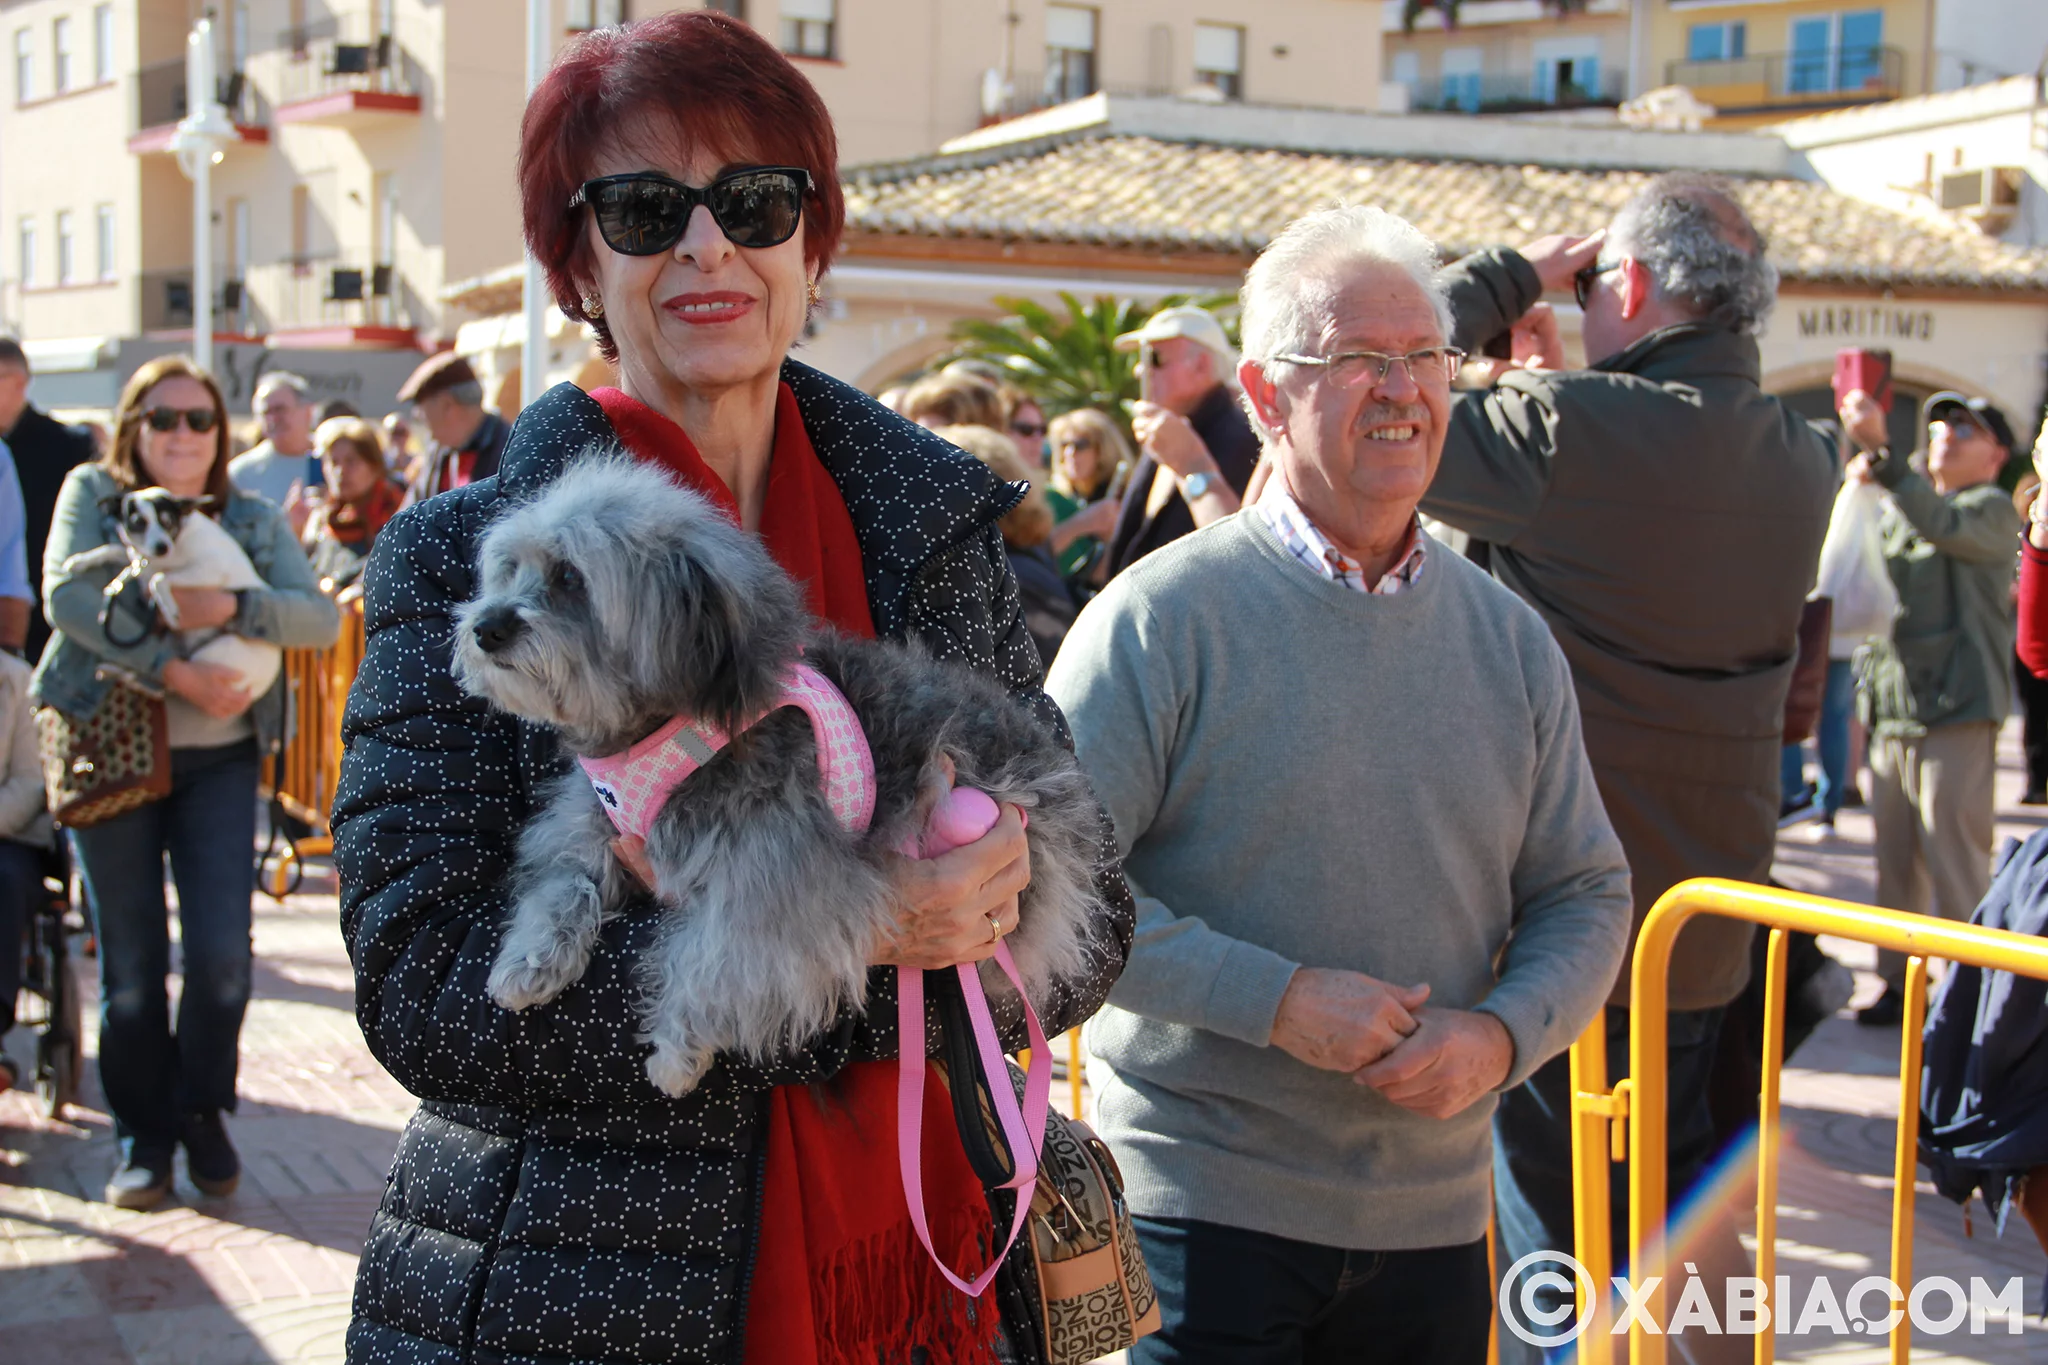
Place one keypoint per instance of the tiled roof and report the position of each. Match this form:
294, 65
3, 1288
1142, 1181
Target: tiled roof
1143, 194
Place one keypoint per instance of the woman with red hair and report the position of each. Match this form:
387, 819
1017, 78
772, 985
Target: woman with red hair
678, 183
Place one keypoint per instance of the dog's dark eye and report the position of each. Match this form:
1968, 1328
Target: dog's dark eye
566, 579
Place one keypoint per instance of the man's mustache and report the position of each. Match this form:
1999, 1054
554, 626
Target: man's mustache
1393, 414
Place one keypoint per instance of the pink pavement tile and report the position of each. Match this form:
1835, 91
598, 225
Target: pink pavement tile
147, 1280
70, 1341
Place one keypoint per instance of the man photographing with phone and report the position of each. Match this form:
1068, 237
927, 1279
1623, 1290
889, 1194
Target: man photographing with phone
1664, 516
1934, 693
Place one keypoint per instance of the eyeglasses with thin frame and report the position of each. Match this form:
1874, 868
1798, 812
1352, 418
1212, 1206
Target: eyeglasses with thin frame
198, 421
1349, 369
646, 213
1582, 280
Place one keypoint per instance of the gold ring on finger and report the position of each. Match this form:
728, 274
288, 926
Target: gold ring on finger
995, 926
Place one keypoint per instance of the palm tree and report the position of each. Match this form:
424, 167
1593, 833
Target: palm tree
1068, 359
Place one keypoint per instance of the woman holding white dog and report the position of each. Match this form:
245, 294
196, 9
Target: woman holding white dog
168, 1086
678, 183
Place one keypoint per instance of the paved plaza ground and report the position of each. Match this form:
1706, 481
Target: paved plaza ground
264, 1276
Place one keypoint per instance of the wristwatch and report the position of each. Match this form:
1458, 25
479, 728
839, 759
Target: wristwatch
1195, 485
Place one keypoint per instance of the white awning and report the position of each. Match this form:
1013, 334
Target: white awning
66, 355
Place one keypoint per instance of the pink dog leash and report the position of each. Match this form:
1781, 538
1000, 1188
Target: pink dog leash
964, 816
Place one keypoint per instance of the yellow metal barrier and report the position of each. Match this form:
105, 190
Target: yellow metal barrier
303, 775
1640, 1103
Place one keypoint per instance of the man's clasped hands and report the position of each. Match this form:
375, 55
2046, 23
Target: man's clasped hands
1434, 1061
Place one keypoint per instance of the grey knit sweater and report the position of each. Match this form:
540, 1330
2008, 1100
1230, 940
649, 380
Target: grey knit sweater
1301, 774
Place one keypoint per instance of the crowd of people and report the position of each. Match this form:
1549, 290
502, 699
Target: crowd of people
84, 638
1406, 690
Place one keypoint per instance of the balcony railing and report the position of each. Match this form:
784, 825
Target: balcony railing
1518, 94
1842, 75
157, 97
167, 302
322, 65
332, 291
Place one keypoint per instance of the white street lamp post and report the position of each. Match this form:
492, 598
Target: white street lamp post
201, 135
533, 352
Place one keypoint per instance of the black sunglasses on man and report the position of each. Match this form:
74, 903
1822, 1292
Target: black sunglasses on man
1582, 280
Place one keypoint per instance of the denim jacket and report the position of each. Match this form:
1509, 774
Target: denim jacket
291, 613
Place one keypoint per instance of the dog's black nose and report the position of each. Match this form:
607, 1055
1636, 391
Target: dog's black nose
497, 628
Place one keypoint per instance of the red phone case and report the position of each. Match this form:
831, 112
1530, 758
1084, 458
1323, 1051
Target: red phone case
1871, 371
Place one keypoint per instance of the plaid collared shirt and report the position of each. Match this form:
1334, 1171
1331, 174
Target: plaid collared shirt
1302, 540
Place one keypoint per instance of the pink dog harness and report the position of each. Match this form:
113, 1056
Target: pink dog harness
636, 784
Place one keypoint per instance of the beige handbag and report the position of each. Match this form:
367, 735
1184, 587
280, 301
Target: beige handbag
1089, 1291
1095, 1295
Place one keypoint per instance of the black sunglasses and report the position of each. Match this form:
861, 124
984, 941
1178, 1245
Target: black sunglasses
645, 213
1030, 431
198, 421
1582, 281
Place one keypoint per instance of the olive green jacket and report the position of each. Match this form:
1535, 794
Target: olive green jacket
1952, 557
1664, 515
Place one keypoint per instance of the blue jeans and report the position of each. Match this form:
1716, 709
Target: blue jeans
21, 885
207, 826
1532, 1149
1229, 1296
1831, 738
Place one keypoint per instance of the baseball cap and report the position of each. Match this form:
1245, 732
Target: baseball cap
1198, 325
1979, 410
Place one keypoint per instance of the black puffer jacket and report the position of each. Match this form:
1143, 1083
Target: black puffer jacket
547, 1203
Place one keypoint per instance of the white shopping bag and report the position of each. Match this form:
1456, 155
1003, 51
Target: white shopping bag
1852, 568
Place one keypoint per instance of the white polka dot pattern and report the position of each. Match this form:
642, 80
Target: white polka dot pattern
547, 1203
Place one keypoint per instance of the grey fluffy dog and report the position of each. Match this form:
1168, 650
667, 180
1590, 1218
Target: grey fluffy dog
615, 601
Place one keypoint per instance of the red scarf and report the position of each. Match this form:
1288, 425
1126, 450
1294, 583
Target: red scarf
358, 522
839, 1277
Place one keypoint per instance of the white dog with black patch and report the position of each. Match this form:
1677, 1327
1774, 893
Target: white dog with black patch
170, 542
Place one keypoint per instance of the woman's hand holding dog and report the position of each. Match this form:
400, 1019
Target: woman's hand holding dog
214, 689
950, 909
203, 608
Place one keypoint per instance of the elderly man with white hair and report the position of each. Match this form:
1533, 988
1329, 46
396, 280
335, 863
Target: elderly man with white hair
1198, 450
1376, 885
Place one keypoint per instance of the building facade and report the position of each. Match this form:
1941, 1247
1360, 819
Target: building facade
1976, 156
1759, 61
378, 137
1508, 56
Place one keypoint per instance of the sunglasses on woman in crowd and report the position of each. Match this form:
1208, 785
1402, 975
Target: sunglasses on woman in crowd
646, 213
1030, 431
198, 421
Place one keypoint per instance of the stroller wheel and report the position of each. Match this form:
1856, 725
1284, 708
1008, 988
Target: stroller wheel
60, 1050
